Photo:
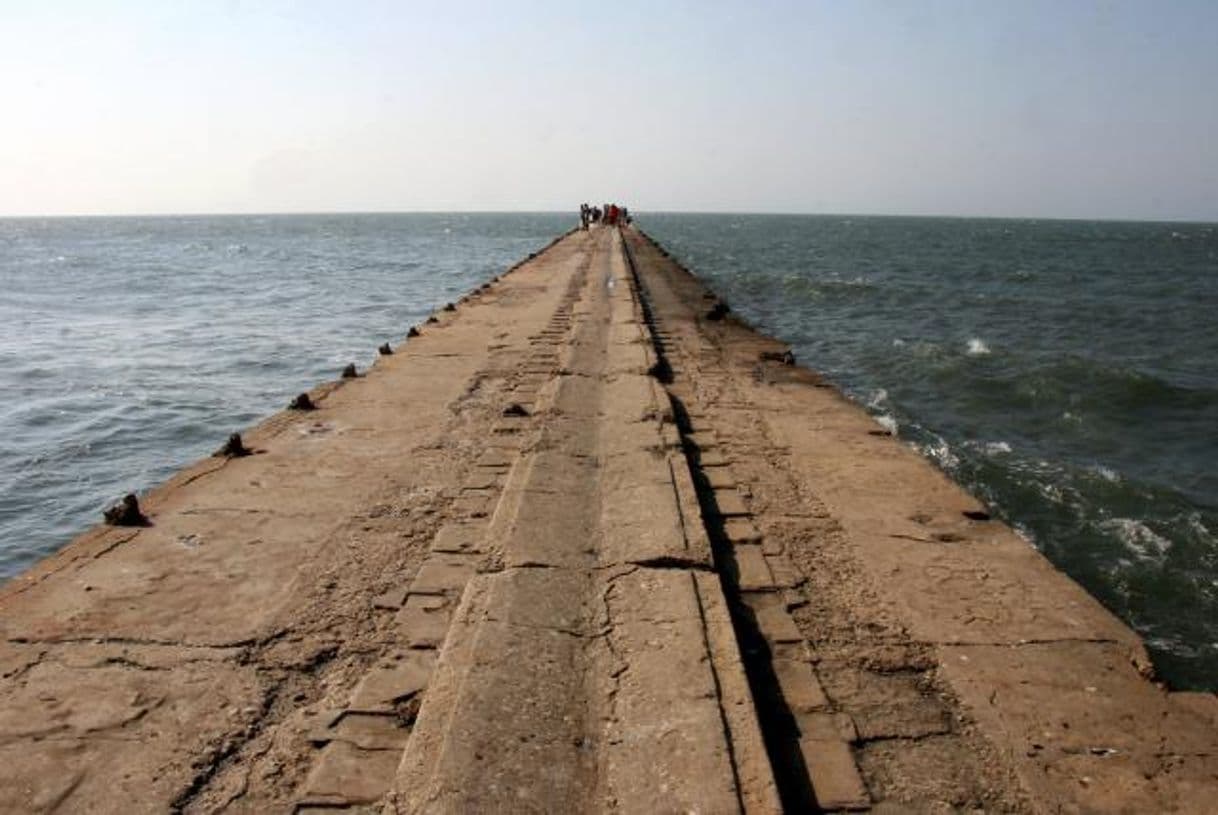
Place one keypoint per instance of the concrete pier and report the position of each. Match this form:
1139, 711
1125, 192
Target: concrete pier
585, 543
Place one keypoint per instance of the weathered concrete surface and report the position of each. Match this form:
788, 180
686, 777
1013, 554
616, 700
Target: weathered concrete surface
583, 545
974, 675
582, 676
187, 663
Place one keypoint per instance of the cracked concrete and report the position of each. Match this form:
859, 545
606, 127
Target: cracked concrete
580, 678
975, 676
687, 577
145, 674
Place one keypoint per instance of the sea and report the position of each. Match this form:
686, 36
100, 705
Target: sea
1066, 372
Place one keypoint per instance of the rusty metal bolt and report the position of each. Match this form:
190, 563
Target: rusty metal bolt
449, 307
349, 372
413, 332
233, 448
785, 357
385, 350
302, 402
125, 513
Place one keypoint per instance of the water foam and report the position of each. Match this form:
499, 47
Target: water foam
977, 347
1137, 537
941, 453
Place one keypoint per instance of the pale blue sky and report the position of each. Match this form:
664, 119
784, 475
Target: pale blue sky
1068, 109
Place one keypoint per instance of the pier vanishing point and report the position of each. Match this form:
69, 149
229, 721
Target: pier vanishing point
582, 542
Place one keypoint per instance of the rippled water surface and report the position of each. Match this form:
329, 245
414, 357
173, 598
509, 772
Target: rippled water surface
1066, 372
132, 346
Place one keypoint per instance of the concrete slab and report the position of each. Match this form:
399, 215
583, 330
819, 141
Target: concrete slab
393, 680
749, 570
496, 737
346, 774
461, 538
719, 478
390, 600
665, 745
642, 524
835, 778
366, 731
755, 776
423, 621
741, 531
773, 620
444, 573
801, 690
730, 504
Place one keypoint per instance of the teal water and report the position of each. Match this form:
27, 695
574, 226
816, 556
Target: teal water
1066, 372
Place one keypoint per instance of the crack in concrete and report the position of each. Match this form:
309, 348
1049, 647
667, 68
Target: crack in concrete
224, 462
107, 640
1019, 643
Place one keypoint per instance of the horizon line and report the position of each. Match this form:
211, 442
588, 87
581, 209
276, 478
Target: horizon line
358, 212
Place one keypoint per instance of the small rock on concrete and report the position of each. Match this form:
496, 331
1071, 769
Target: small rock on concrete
126, 512
302, 402
233, 448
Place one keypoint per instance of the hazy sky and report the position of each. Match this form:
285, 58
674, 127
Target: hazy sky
1062, 108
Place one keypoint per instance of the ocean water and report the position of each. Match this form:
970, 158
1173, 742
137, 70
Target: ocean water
1066, 372
132, 346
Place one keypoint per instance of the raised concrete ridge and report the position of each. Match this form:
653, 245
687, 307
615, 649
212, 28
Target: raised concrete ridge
584, 543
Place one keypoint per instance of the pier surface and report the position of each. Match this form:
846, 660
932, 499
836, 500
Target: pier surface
585, 544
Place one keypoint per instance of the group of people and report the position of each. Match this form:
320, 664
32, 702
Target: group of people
610, 215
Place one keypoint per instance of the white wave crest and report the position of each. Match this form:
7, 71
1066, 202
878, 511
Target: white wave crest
941, 453
997, 448
977, 347
1137, 537
877, 398
887, 422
